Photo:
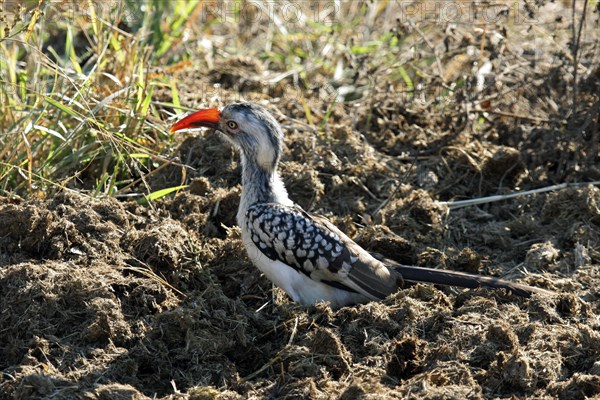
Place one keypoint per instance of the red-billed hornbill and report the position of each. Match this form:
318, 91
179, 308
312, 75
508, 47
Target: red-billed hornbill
304, 254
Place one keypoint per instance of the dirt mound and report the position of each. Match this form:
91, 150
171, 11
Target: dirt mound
107, 299
130, 302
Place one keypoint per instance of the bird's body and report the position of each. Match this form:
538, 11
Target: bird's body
306, 255
312, 262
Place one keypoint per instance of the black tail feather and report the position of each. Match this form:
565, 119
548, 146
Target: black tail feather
414, 274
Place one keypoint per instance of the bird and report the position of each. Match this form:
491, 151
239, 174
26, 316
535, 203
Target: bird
302, 253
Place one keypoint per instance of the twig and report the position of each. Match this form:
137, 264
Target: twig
518, 116
432, 47
273, 360
452, 205
576, 40
148, 273
259, 309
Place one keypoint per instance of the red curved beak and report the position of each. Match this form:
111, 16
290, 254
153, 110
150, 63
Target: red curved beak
208, 118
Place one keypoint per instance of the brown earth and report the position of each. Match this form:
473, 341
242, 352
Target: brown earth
109, 299
104, 299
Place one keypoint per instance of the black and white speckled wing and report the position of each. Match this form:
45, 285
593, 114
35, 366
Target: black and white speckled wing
318, 249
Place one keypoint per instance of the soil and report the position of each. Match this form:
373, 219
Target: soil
109, 299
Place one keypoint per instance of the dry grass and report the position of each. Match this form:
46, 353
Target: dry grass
88, 89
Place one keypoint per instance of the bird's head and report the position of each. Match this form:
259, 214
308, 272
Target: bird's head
251, 129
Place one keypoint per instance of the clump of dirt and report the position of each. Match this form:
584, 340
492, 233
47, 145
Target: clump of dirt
63, 229
161, 246
414, 211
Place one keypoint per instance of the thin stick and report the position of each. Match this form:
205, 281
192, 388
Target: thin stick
148, 273
518, 116
274, 359
452, 205
576, 41
432, 47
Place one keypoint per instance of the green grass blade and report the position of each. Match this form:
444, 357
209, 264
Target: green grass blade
161, 193
63, 107
406, 78
49, 131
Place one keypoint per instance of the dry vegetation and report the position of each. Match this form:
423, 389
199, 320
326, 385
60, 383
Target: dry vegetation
122, 275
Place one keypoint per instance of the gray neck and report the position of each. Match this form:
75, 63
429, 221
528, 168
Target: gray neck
260, 185
257, 183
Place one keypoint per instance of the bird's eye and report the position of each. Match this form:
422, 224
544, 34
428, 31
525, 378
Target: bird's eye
232, 124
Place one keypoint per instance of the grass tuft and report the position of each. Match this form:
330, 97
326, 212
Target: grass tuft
86, 88
76, 96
